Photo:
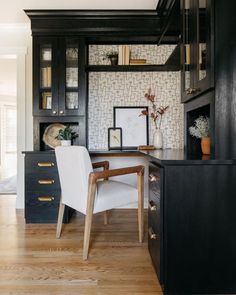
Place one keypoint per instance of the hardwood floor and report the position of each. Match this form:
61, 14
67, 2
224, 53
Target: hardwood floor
33, 261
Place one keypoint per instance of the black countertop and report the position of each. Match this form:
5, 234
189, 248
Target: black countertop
162, 157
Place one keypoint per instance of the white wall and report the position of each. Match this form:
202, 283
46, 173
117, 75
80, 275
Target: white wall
18, 40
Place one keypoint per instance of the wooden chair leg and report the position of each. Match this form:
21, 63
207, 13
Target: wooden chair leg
60, 219
105, 215
88, 219
140, 206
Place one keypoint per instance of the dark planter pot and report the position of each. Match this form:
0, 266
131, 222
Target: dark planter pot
114, 60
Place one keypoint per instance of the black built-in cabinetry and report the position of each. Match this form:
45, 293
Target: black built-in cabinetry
191, 239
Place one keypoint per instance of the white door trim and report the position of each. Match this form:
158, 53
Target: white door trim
20, 53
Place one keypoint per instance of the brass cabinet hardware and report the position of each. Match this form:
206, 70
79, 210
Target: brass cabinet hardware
45, 181
152, 206
45, 199
45, 164
54, 112
61, 112
153, 178
152, 235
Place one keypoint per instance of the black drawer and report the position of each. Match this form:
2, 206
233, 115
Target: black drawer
45, 163
42, 181
43, 208
155, 250
155, 179
154, 216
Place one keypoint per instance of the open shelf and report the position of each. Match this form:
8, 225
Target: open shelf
132, 68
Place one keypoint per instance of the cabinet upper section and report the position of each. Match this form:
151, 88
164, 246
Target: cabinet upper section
58, 73
138, 25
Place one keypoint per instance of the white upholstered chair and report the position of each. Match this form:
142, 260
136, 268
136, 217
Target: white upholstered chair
83, 190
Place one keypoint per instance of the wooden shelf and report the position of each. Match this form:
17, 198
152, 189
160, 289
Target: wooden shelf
133, 68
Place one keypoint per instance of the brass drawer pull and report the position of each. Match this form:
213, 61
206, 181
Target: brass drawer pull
45, 199
153, 178
45, 181
45, 164
152, 235
152, 206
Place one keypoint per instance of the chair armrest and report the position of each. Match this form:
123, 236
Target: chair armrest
104, 164
94, 176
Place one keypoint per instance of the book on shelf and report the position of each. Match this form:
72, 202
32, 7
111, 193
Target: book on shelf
138, 62
46, 76
123, 55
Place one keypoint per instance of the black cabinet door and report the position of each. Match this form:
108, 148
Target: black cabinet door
45, 76
197, 54
72, 86
59, 77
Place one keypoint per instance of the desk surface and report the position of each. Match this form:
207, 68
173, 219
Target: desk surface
162, 157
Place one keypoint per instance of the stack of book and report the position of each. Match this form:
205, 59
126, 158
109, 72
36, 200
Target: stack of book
140, 61
46, 77
124, 55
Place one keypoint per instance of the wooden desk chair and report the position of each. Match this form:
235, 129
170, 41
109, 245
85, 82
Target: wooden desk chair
83, 190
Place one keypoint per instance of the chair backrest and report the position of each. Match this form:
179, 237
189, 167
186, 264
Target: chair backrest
74, 165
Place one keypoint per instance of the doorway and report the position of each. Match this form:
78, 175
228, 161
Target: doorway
8, 124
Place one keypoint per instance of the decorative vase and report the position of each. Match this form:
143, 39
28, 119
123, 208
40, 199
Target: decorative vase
65, 142
157, 139
206, 145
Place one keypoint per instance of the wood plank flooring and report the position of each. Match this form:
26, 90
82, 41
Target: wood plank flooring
33, 261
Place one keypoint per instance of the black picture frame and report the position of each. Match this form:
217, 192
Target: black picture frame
134, 126
112, 144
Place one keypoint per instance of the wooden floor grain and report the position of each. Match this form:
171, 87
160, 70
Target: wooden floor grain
33, 261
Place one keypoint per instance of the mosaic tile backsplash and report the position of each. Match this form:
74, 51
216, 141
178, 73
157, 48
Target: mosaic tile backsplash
109, 89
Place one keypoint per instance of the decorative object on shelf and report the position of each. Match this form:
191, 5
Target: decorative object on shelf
72, 53
155, 114
113, 57
115, 138
46, 54
201, 130
46, 100
50, 134
134, 127
72, 77
66, 135
72, 100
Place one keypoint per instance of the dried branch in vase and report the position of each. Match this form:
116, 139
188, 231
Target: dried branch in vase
157, 112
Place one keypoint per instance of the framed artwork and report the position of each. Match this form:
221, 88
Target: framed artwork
134, 127
114, 138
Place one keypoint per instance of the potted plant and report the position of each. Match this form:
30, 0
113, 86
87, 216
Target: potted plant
66, 135
156, 114
113, 57
201, 129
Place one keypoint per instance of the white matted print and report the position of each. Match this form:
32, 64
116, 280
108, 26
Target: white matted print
134, 126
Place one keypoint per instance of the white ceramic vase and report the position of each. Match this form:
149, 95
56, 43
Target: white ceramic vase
65, 142
158, 139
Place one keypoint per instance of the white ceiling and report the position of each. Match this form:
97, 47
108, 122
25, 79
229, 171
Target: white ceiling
12, 10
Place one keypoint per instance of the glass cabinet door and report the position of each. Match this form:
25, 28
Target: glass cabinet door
70, 90
187, 50
203, 46
45, 81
